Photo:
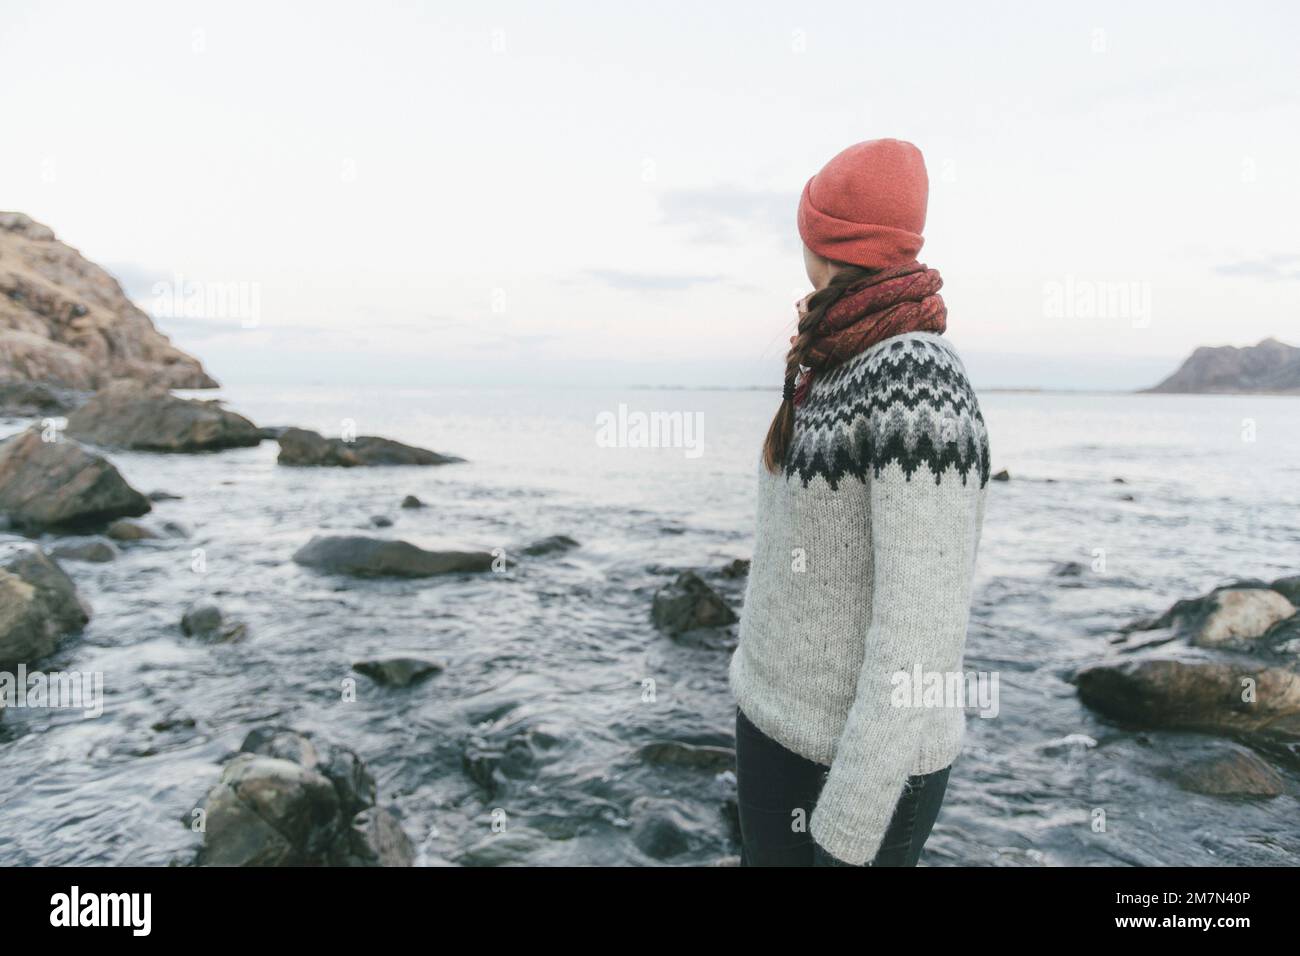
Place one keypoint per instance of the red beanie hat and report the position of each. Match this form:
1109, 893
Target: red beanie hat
867, 205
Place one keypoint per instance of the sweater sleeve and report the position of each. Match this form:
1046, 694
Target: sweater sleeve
923, 533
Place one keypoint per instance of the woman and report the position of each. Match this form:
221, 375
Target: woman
871, 500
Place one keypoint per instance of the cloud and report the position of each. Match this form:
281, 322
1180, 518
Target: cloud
726, 214
1272, 267
651, 281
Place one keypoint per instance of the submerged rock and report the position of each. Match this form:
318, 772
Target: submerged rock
150, 418
663, 828
94, 550
511, 847
377, 557
675, 753
398, 671
204, 619
381, 521
287, 800
555, 543
1227, 770
298, 446
38, 604
689, 603
58, 484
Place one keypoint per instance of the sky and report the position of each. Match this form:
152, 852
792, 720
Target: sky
418, 193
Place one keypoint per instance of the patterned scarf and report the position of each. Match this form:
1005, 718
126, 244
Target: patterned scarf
903, 299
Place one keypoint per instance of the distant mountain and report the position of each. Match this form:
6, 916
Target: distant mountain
1270, 366
66, 322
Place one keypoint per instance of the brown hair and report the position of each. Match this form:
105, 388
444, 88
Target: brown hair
778, 435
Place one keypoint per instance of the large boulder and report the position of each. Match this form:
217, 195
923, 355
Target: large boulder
689, 603
1234, 617
66, 322
135, 415
1216, 696
38, 604
289, 800
298, 446
59, 484
362, 556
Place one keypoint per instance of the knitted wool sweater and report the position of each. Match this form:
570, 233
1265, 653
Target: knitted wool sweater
862, 568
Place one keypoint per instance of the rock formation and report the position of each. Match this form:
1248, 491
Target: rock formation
66, 322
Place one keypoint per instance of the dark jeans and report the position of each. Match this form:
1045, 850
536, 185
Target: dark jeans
774, 782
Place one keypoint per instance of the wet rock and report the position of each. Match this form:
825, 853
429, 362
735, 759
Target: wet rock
511, 847
376, 838
1241, 697
298, 446
398, 671
32, 399
410, 501
674, 753
734, 570
269, 812
381, 521
1233, 617
1240, 617
287, 800
1227, 770
145, 417
555, 543
1068, 569
1289, 588
508, 751
1002, 475
59, 484
124, 529
362, 556
163, 496
689, 603
94, 550
664, 828
38, 604
205, 620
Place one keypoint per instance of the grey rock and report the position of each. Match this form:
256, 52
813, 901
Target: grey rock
124, 529
94, 550
301, 447
552, 545
689, 603
398, 671
362, 556
205, 620
133, 415
410, 501
59, 484
1227, 770
39, 604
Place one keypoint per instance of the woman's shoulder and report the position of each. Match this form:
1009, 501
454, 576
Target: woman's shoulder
907, 400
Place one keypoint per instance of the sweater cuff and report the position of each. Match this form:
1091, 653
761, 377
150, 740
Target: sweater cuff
854, 849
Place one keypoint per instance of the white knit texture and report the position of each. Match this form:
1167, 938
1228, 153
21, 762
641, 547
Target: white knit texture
863, 561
